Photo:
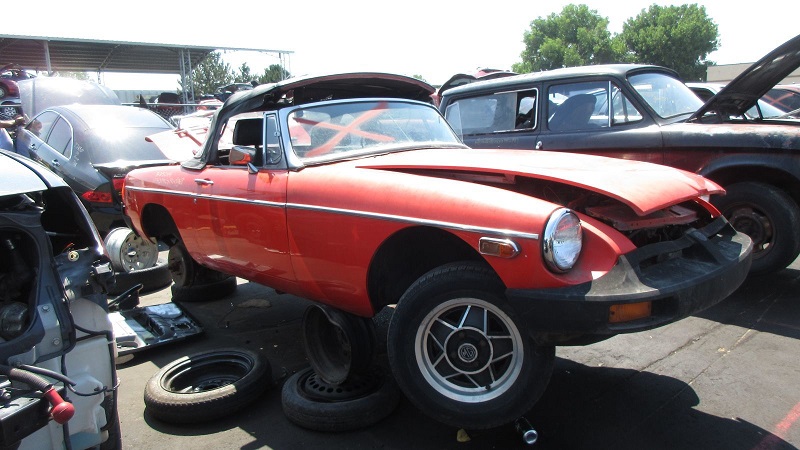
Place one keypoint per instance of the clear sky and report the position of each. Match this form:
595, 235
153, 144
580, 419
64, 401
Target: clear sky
410, 37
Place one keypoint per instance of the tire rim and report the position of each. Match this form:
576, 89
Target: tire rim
754, 223
129, 252
356, 386
469, 350
177, 266
207, 373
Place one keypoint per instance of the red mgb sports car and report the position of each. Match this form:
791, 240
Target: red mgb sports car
351, 190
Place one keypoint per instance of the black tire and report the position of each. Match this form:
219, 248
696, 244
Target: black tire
152, 279
193, 282
207, 386
361, 401
770, 217
464, 386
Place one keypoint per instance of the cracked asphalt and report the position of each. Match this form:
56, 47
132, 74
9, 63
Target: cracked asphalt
728, 378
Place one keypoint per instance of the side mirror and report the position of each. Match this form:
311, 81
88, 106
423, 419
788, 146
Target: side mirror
241, 155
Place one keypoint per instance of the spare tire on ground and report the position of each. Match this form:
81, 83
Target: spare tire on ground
362, 400
207, 386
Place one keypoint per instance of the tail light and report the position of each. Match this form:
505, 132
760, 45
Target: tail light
97, 196
118, 181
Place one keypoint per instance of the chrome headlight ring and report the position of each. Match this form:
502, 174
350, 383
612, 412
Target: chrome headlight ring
562, 240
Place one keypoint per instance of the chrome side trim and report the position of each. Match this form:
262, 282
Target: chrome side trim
350, 212
418, 221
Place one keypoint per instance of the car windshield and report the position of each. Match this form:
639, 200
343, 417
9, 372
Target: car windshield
667, 96
346, 129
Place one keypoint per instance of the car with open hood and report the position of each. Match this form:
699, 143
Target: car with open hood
646, 113
351, 190
57, 349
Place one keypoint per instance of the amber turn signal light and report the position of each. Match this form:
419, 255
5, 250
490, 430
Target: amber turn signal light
629, 311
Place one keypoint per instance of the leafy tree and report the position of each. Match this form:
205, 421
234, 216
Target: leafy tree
678, 37
244, 75
211, 72
273, 73
419, 77
577, 36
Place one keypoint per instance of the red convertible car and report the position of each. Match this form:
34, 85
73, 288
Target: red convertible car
353, 191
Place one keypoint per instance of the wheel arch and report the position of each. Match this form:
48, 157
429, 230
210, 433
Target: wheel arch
157, 222
407, 255
728, 172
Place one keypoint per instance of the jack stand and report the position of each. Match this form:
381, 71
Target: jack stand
525, 429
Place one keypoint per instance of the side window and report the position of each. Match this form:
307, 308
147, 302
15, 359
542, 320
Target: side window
623, 111
578, 106
42, 124
60, 139
498, 112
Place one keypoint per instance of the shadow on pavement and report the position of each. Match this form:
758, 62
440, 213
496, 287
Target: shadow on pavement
767, 303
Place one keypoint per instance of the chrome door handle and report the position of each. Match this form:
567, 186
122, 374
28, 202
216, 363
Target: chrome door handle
55, 163
539, 145
203, 181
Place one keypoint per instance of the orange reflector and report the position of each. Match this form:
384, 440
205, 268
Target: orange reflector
503, 248
629, 311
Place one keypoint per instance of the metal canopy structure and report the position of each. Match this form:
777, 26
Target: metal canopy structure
49, 54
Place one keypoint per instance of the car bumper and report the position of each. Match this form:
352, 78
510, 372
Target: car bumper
678, 278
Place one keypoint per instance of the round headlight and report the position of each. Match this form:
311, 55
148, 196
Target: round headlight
562, 241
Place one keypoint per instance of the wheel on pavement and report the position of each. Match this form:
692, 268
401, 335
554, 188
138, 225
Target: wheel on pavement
458, 352
193, 282
770, 217
360, 401
207, 386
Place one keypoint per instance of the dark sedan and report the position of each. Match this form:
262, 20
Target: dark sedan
647, 113
92, 147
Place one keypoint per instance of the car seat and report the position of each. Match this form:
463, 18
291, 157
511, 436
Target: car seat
573, 114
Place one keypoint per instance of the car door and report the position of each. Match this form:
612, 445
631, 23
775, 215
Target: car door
49, 141
597, 117
507, 119
31, 138
244, 204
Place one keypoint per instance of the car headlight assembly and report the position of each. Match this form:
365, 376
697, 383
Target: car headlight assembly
562, 240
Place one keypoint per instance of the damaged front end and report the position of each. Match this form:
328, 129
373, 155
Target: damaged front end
680, 260
57, 375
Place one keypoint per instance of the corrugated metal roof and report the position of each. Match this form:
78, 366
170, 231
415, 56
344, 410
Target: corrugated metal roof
70, 55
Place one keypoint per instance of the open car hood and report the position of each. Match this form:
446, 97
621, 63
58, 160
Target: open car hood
744, 91
644, 187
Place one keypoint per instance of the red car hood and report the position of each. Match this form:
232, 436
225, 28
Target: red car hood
645, 187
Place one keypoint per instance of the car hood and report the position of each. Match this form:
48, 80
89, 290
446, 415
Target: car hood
744, 91
24, 175
644, 187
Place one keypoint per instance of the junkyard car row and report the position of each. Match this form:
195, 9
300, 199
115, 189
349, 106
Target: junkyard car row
354, 191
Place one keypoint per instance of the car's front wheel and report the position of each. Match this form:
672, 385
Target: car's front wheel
458, 352
770, 217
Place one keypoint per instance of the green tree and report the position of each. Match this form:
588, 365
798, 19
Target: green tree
678, 37
210, 73
273, 74
244, 75
577, 36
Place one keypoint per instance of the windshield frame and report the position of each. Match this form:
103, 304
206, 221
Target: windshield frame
300, 158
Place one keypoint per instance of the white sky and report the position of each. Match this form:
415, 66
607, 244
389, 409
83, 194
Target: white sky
431, 39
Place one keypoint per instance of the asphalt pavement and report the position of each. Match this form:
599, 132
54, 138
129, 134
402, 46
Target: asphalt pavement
728, 378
